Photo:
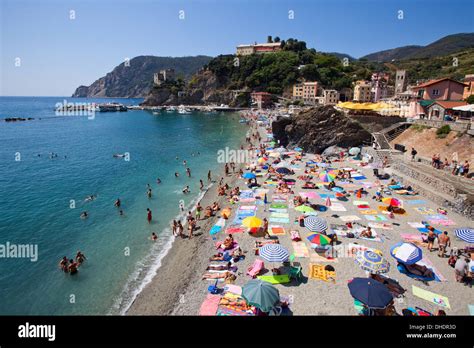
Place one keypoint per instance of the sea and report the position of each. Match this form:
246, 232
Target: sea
51, 164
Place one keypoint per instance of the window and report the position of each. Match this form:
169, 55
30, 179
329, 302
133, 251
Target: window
435, 92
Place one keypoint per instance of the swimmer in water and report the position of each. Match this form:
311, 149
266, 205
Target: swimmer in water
201, 184
148, 217
80, 258
188, 172
154, 237
84, 215
177, 158
184, 163
117, 203
158, 181
176, 174
64, 264
186, 190
148, 193
121, 212
72, 267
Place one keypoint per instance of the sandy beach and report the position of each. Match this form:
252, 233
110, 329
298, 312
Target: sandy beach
178, 288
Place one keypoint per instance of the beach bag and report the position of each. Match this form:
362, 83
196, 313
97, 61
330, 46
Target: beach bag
213, 289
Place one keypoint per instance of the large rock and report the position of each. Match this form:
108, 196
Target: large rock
319, 128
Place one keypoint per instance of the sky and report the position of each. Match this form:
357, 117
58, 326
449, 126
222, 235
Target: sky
45, 52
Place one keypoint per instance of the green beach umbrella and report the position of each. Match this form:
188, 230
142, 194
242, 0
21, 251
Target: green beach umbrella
261, 294
304, 209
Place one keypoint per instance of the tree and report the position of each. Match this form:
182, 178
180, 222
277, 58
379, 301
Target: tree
276, 39
470, 99
310, 72
269, 39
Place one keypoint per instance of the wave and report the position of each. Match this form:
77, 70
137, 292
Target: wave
147, 268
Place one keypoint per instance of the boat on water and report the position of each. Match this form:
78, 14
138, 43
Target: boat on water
110, 107
183, 110
170, 109
119, 155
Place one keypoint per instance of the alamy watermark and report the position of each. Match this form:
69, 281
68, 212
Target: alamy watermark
66, 108
240, 156
23, 251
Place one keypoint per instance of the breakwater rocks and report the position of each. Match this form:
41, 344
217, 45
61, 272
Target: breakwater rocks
319, 128
18, 119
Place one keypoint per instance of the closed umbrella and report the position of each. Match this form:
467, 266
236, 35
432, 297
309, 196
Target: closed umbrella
328, 202
274, 253
407, 253
370, 292
466, 234
372, 262
260, 294
315, 224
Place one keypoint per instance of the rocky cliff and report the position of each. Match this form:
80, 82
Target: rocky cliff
136, 80
319, 128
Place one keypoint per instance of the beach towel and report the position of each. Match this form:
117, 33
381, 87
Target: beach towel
415, 201
316, 258
363, 206
279, 220
375, 218
276, 231
416, 239
246, 213
279, 206
309, 195
275, 279
425, 211
234, 289
441, 222
368, 212
351, 249
247, 200
210, 304
416, 224
396, 211
246, 194
349, 218
300, 249
276, 210
270, 183
381, 225
233, 230
337, 207
279, 198
360, 203
425, 261
359, 177
247, 207
432, 297
326, 195
318, 272
280, 215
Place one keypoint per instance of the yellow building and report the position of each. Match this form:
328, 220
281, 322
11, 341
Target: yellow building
306, 92
362, 91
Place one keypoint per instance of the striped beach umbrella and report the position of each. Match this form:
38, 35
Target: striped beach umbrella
373, 262
274, 253
319, 239
466, 234
252, 222
327, 176
315, 224
407, 253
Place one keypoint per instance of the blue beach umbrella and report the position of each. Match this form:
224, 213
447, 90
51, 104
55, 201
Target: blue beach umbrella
274, 253
466, 234
215, 229
249, 175
407, 253
370, 292
315, 224
283, 170
298, 149
372, 262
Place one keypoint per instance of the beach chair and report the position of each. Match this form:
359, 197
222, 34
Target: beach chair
256, 268
295, 271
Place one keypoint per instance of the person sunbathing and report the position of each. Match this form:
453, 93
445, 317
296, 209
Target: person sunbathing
215, 207
219, 267
216, 275
367, 233
308, 185
228, 242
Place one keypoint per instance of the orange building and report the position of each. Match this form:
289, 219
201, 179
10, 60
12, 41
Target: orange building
469, 89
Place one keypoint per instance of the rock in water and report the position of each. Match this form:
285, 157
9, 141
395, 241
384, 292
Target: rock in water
319, 128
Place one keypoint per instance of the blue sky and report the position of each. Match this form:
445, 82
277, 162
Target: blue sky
58, 54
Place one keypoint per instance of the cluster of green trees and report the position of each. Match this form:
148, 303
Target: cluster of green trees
278, 71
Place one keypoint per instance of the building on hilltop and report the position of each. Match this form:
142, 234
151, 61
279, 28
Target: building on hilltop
246, 50
306, 92
163, 76
263, 100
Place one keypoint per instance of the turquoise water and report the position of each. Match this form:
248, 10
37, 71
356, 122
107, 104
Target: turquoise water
35, 195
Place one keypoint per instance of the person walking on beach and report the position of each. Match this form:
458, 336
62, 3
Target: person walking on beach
198, 211
431, 239
191, 226
180, 229
209, 176
413, 153
265, 228
443, 242
149, 217
174, 228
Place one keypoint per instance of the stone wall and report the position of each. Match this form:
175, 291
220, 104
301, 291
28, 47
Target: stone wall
435, 189
458, 126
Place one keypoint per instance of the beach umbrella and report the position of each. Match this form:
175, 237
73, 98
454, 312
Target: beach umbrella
304, 209
370, 292
274, 253
372, 262
407, 253
281, 149
252, 222
328, 202
315, 224
466, 234
284, 171
262, 295
261, 160
299, 149
319, 239
391, 201
327, 176
337, 189
249, 175
354, 151
215, 229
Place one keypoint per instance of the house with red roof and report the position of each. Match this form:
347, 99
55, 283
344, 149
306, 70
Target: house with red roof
441, 89
441, 110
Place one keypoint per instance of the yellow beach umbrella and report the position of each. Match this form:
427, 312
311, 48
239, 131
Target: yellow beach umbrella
252, 222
